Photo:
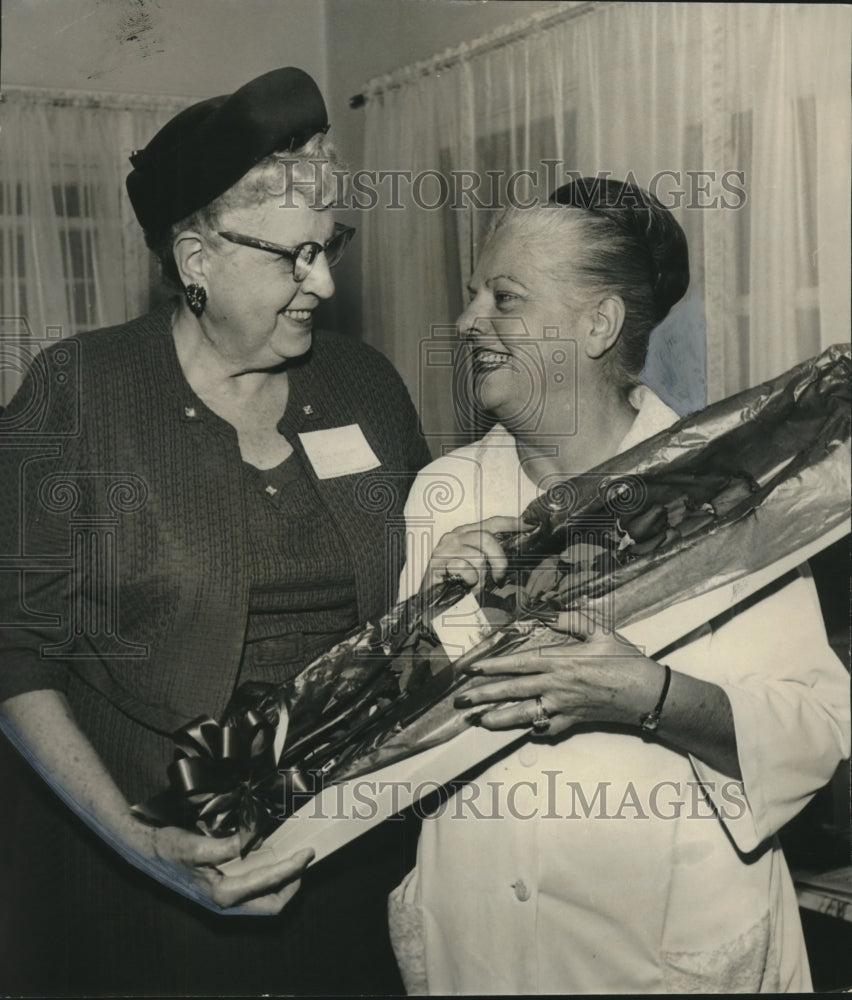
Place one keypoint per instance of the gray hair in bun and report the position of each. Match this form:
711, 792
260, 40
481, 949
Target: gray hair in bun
632, 246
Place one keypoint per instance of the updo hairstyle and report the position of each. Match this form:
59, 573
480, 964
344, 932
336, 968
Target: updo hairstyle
629, 245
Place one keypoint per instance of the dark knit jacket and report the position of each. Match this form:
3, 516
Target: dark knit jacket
110, 460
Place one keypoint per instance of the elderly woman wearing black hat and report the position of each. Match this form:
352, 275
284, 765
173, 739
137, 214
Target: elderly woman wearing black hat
178, 496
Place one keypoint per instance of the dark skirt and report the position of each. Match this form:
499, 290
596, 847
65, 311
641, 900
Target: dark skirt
76, 920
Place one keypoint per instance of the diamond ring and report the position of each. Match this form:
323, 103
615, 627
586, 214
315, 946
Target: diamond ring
541, 720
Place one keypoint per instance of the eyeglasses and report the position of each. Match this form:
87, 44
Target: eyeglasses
304, 255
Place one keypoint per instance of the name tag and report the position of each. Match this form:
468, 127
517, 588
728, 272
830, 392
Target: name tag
339, 451
461, 627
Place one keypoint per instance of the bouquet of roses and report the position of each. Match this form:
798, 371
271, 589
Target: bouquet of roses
721, 494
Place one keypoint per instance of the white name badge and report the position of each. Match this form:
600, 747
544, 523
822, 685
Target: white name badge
339, 451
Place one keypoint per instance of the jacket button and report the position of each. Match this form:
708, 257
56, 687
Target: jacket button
522, 893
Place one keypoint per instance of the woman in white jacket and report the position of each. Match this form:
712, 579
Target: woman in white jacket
631, 847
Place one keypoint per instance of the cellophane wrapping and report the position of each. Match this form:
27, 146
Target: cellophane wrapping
720, 495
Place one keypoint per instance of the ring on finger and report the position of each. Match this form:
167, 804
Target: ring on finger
541, 720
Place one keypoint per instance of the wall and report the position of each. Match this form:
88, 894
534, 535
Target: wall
192, 47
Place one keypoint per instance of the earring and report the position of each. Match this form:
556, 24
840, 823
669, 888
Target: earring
196, 298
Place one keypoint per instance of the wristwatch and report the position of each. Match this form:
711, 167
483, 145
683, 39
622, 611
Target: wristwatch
651, 721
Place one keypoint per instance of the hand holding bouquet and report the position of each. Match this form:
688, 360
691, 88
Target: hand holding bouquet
720, 495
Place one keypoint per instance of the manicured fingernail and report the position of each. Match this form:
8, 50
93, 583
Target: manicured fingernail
474, 718
462, 701
474, 670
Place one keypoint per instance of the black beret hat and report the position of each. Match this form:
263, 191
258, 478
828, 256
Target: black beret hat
208, 147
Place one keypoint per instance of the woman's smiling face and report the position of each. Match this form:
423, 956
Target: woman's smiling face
257, 314
520, 329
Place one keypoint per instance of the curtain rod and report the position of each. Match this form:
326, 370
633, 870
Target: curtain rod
92, 99
487, 43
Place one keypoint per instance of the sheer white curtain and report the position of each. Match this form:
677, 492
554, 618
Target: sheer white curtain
710, 105
72, 256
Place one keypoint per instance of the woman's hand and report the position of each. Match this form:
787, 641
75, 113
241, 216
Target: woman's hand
188, 862
590, 674
469, 551
42, 726
587, 674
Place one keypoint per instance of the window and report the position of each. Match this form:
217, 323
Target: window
78, 239
12, 252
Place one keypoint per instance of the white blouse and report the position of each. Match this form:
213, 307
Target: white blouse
605, 863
